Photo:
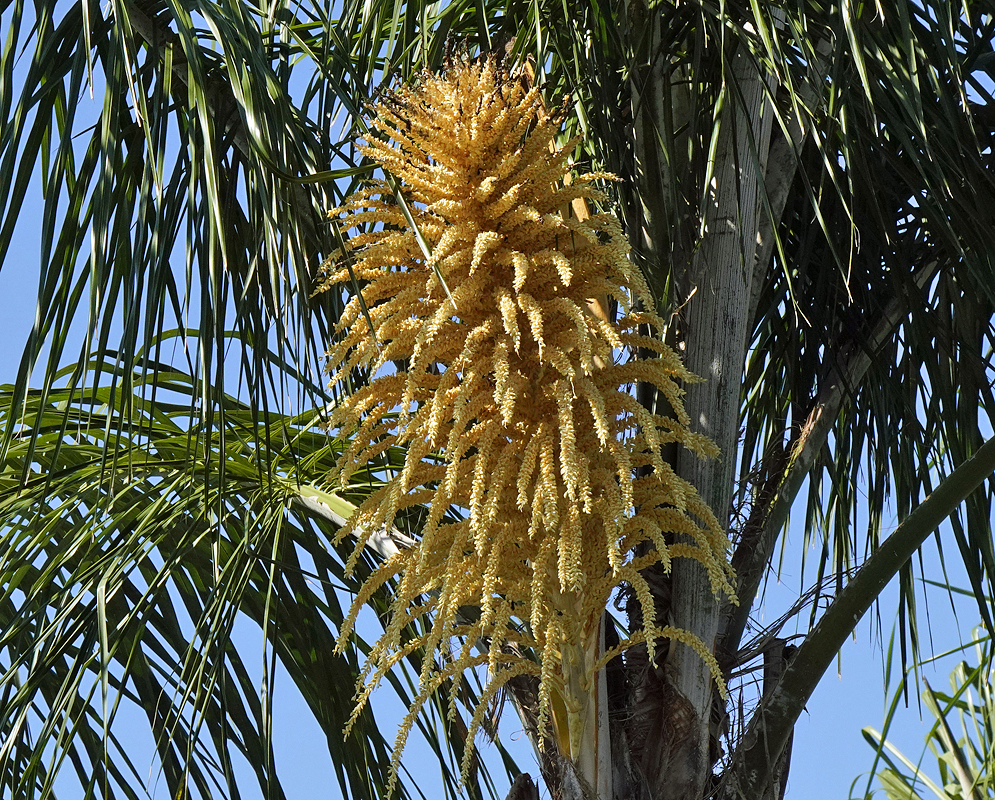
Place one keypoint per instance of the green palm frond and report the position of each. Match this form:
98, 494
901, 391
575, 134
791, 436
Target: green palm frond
165, 472
960, 741
134, 538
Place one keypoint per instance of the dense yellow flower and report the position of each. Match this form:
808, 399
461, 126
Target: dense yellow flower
541, 473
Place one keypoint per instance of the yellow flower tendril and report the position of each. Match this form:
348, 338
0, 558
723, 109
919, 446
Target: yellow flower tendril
512, 399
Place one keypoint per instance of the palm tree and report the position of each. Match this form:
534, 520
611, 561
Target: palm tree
806, 188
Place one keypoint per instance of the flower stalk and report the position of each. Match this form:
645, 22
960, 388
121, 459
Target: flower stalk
512, 401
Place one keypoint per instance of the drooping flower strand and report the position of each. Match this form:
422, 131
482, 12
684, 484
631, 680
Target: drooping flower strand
541, 473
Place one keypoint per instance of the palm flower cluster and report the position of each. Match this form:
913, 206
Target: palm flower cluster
541, 473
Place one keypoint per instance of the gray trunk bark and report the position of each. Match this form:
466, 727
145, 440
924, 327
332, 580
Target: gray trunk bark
714, 330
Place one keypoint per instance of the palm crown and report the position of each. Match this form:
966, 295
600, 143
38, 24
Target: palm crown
805, 190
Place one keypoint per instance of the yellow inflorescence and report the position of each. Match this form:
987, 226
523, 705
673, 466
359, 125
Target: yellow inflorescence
541, 473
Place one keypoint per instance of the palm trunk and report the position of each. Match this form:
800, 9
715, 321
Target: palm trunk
715, 332
715, 289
